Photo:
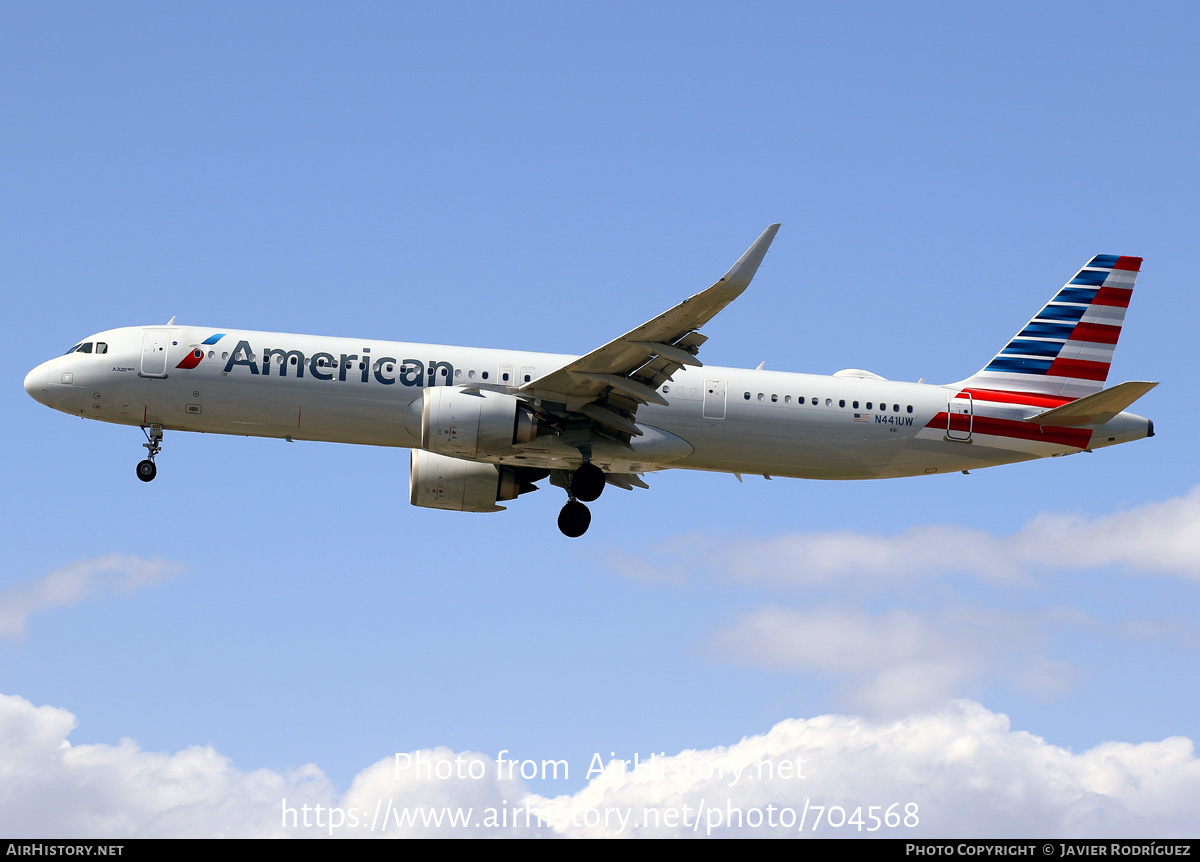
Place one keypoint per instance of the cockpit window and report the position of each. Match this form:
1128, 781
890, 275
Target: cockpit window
86, 347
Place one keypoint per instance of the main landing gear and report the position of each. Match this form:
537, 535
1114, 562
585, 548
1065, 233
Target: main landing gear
587, 483
146, 471
574, 519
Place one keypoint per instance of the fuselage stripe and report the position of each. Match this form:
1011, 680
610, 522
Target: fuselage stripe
986, 425
1004, 396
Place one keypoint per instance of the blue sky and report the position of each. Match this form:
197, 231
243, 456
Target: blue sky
545, 177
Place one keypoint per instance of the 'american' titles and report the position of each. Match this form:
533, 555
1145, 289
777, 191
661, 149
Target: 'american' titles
326, 366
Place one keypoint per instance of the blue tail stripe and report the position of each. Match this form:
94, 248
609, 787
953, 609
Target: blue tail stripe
1033, 348
1047, 330
1022, 366
1076, 294
1107, 261
1090, 277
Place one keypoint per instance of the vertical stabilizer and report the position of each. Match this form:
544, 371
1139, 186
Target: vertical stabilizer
1067, 348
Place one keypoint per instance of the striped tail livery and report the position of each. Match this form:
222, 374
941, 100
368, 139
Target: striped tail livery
1067, 348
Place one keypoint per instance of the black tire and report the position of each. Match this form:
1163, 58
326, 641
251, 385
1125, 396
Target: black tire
146, 471
574, 519
587, 483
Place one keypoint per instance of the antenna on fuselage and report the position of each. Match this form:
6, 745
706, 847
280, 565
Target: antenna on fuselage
171, 321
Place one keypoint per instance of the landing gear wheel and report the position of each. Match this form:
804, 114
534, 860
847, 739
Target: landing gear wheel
574, 519
587, 483
146, 471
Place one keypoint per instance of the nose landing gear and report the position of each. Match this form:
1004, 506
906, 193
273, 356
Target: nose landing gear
146, 470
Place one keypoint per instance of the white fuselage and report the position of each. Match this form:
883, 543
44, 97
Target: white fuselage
720, 419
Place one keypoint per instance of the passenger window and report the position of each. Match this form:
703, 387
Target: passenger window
842, 403
855, 405
747, 396
484, 374
868, 405
910, 408
828, 402
471, 375
895, 408
774, 398
800, 400
787, 399
760, 396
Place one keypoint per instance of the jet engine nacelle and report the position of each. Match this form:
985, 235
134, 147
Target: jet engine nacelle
439, 482
465, 423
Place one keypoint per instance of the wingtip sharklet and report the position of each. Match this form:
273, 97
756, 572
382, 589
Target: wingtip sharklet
742, 272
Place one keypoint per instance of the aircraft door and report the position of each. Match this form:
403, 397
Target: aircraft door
960, 417
154, 352
714, 398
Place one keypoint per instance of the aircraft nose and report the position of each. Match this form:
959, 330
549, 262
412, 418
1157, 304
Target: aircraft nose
36, 383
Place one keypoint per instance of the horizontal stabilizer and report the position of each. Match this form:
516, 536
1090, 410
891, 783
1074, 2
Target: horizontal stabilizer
1095, 409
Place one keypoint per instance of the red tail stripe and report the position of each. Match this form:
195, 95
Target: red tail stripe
1076, 437
1029, 399
1079, 368
1097, 333
1130, 263
1118, 296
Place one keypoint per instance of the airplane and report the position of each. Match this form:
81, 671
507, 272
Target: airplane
485, 425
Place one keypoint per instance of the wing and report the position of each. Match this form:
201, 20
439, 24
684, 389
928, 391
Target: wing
606, 386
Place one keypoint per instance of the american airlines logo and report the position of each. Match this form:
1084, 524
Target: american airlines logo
193, 358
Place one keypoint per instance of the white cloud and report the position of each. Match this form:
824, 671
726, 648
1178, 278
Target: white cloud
50, 788
900, 660
53, 789
1161, 537
963, 768
967, 772
74, 583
